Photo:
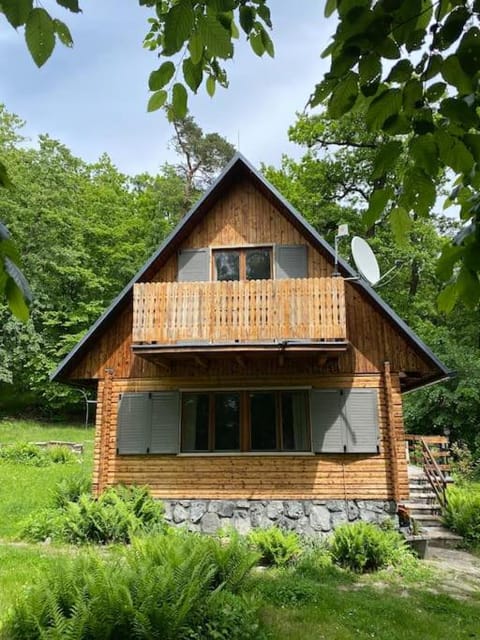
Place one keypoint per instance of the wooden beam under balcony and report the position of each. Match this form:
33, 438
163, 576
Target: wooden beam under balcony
311, 310
239, 350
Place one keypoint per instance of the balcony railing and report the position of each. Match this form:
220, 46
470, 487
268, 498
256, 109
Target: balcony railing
255, 310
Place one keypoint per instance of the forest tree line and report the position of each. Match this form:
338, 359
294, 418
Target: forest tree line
85, 228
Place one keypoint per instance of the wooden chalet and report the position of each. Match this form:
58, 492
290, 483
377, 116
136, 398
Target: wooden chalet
244, 381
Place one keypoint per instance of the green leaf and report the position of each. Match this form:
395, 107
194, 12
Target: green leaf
435, 91
418, 192
344, 96
16, 301
193, 74
210, 86
63, 32
453, 152
386, 158
195, 47
452, 28
247, 18
4, 179
387, 48
453, 73
179, 100
17, 276
215, 37
468, 287
401, 224
424, 151
457, 110
267, 43
157, 100
412, 96
400, 72
330, 7
472, 141
450, 255
256, 42
40, 35
16, 11
369, 68
177, 26
161, 76
448, 297
469, 52
434, 67
386, 105
72, 5
264, 12
377, 205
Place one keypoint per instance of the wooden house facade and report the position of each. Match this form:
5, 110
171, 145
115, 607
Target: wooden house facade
244, 381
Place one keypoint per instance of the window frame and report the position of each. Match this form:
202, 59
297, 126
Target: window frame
245, 432
242, 267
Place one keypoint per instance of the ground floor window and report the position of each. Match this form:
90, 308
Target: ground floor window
272, 420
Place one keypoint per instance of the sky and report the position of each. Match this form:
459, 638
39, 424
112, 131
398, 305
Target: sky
93, 97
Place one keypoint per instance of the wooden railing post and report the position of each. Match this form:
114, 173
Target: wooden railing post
391, 430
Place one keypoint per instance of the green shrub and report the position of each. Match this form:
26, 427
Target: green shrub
462, 513
70, 488
162, 587
43, 525
60, 454
363, 546
116, 516
277, 548
24, 453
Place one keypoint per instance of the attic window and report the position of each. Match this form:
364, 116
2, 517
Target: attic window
243, 264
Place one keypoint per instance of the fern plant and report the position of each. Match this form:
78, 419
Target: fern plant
363, 546
277, 548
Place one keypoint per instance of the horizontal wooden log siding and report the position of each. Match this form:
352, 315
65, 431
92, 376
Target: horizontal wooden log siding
167, 312
255, 476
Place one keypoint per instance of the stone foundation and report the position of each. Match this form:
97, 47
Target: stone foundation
307, 517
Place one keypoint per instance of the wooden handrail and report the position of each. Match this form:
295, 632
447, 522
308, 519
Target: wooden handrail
435, 475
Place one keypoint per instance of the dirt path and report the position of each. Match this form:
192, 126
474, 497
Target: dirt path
461, 571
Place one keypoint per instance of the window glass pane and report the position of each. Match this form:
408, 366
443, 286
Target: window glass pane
227, 265
258, 264
263, 421
294, 421
195, 414
227, 421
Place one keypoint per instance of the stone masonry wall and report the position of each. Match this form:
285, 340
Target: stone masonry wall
307, 517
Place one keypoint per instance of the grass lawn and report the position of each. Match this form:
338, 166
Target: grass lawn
25, 489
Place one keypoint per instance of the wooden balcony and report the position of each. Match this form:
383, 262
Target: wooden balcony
239, 312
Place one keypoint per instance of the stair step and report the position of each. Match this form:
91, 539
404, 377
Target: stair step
441, 537
421, 507
427, 520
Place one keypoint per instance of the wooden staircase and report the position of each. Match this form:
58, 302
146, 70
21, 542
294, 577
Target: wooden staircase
428, 479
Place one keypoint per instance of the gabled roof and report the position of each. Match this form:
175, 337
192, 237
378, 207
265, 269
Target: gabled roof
239, 166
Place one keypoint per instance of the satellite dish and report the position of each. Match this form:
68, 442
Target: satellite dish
365, 260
